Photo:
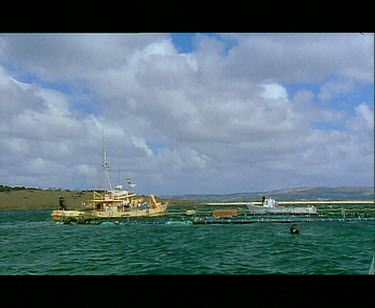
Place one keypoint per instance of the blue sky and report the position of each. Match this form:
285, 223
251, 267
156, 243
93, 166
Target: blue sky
183, 42
188, 112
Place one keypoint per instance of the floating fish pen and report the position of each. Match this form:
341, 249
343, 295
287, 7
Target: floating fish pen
347, 212
212, 220
105, 222
209, 220
113, 221
239, 215
330, 214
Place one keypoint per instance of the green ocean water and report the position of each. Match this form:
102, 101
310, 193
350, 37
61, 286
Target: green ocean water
32, 244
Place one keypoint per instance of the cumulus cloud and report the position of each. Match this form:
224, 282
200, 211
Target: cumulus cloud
39, 166
302, 57
274, 91
216, 119
364, 112
16, 96
332, 89
86, 170
363, 122
141, 144
72, 56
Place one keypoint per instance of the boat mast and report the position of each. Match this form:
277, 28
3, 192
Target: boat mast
106, 175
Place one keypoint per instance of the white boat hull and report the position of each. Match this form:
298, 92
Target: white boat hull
259, 209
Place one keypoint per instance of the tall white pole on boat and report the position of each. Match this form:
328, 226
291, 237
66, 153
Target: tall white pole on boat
106, 175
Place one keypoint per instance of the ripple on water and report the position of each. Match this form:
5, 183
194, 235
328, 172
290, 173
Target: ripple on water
32, 245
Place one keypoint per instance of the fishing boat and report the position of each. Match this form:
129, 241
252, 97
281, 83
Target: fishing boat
107, 205
270, 206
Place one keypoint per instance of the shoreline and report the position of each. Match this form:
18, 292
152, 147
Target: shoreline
29, 199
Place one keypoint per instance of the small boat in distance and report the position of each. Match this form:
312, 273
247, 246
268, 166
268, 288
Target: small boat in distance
270, 206
117, 204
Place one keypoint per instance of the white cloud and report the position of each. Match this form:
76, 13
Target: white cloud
333, 89
274, 91
160, 49
39, 166
209, 121
363, 122
365, 115
15, 97
141, 144
72, 56
86, 170
301, 57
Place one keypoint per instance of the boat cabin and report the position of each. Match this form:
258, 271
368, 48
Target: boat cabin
269, 202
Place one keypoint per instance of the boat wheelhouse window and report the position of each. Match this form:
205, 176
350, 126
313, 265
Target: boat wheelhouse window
98, 206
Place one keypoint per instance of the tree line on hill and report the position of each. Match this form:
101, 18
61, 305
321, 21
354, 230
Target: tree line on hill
6, 188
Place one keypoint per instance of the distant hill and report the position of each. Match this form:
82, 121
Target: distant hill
26, 198
40, 199
34, 198
300, 193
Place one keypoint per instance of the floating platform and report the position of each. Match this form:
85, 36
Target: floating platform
213, 220
299, 202
230, 215
204, 220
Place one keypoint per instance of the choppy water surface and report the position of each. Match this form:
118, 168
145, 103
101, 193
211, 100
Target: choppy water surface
32, 244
